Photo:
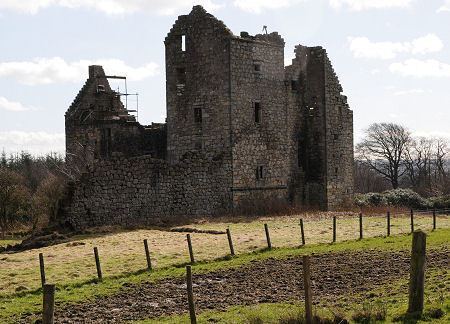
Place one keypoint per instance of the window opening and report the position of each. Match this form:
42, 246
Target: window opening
259, 172
198, 115
181, 76
257, 106
183, 43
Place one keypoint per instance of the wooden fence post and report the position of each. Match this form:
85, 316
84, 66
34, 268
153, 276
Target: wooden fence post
191, 251
388, 223
42, 268
97, 264
434, 219
48, 307
302, 231
190, 292
147, 255
269, 244
334, 229
412, 221
360, 226
307, 287
417, 274
230, 241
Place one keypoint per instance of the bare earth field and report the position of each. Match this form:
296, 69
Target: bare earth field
269, 281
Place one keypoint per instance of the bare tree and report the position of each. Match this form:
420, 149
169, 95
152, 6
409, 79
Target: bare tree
426, 165
46, 200
367, 180
383, 150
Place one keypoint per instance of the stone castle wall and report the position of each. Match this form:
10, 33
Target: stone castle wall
143, 190
259, 142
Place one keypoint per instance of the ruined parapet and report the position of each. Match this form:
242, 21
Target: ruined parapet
325, 129
99, 126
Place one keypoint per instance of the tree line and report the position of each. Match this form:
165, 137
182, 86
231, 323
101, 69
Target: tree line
30, 189
390, 157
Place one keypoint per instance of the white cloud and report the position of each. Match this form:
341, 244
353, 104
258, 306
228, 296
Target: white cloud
359, 5
421, 68
429, 43
15, 106
110, 7
56, 69
411, 92
257, 6
362, 47
32, 142
445, 7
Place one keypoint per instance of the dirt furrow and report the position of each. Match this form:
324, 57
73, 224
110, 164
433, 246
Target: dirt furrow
260, 282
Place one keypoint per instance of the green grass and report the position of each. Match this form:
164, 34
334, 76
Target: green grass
15, 304
9, 242
123, 250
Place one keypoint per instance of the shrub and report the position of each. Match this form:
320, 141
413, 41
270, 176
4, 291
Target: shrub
440, 202
401, 198
405, 198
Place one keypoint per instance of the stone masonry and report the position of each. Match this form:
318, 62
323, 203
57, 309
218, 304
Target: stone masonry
242, 130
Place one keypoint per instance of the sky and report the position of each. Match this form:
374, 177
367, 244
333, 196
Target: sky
391, 56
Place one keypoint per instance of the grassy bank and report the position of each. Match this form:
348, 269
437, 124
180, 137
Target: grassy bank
15, 304
123, 252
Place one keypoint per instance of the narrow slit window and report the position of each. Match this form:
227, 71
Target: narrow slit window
183, 43
259, 172
198, 115
257, 106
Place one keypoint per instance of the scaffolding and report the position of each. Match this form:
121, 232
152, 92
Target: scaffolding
125, 94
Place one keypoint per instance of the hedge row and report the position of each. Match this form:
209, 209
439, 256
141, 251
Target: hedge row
401, 198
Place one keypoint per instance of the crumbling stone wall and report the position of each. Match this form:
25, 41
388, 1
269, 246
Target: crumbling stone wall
98, 126
339, 144
321, 131
143, 190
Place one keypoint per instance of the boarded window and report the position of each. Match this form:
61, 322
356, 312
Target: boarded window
198, 115
257, 107
260, 172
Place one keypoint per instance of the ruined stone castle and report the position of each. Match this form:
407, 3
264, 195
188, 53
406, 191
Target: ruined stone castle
242, 130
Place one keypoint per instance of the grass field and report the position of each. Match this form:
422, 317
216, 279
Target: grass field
71, 266
123, 252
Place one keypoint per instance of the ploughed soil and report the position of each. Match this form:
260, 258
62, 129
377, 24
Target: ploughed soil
333, 275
